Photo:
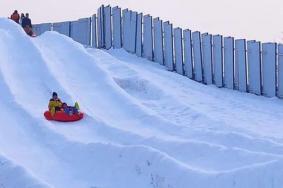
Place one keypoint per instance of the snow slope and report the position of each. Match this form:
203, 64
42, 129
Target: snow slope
144, 126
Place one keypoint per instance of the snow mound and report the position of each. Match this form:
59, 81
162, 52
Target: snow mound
12, 176
142, 89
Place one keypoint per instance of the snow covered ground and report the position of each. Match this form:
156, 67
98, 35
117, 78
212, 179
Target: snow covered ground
144, 127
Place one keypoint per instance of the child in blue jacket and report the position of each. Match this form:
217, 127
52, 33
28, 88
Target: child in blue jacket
70, 110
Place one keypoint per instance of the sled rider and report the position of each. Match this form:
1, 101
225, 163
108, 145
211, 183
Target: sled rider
55, 104
70, 110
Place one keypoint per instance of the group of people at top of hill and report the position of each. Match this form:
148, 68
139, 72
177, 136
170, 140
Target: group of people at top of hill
24, 21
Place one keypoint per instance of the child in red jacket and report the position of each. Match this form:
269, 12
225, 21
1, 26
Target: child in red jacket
15, 16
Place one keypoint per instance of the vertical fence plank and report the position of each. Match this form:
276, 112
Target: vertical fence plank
178, 47
188, 58
240, 65
139, 35
107, 27
269, 69
62, 27
45, 27
168, 46
158, 41
100, 27
86, 34
126, 29
87, 31
74, 31
81, 31
129, 30
218, 60
207, 58
236, 69
197, 56
94, 32
254, 67
41, 28
229, 62
132, 32
280, 71
147, 37
116, 19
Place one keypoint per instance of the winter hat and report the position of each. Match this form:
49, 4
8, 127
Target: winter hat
54, 94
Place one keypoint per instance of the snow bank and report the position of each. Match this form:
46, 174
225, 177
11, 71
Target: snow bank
13, 176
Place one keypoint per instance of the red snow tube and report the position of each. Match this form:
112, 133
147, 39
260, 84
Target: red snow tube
63, 117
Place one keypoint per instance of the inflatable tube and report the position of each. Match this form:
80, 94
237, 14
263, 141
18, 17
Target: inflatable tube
63, 117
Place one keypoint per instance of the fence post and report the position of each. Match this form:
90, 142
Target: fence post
178, 47
197, 52
125, 29
62, 27
100, 27
94, 34
139, 35
41, 28
107, 27
88, 35
280, 71
133, 32
168, 46
269, 69
207, 58
81, 31
147, 37
240, 65
188, 58
116, 20
229, 62
218, 60
254, 67
158, 41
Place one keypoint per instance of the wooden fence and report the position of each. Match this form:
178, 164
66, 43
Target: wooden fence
247, 66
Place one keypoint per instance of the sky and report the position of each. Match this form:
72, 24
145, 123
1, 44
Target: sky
260, 20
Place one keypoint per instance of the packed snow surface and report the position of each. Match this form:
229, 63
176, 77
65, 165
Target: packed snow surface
144, 127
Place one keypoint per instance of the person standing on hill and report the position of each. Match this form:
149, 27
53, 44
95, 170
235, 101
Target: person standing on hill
22, 17
15, 16
26, 21
26, 24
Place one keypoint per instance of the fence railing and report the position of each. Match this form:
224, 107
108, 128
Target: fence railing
247, 66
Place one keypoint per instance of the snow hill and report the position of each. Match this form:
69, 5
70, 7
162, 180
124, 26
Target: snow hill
144, 127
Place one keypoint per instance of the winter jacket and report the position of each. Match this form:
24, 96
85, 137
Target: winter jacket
54, 105
70, 110
26, 22
15, 17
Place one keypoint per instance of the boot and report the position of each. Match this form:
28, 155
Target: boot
77, 106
